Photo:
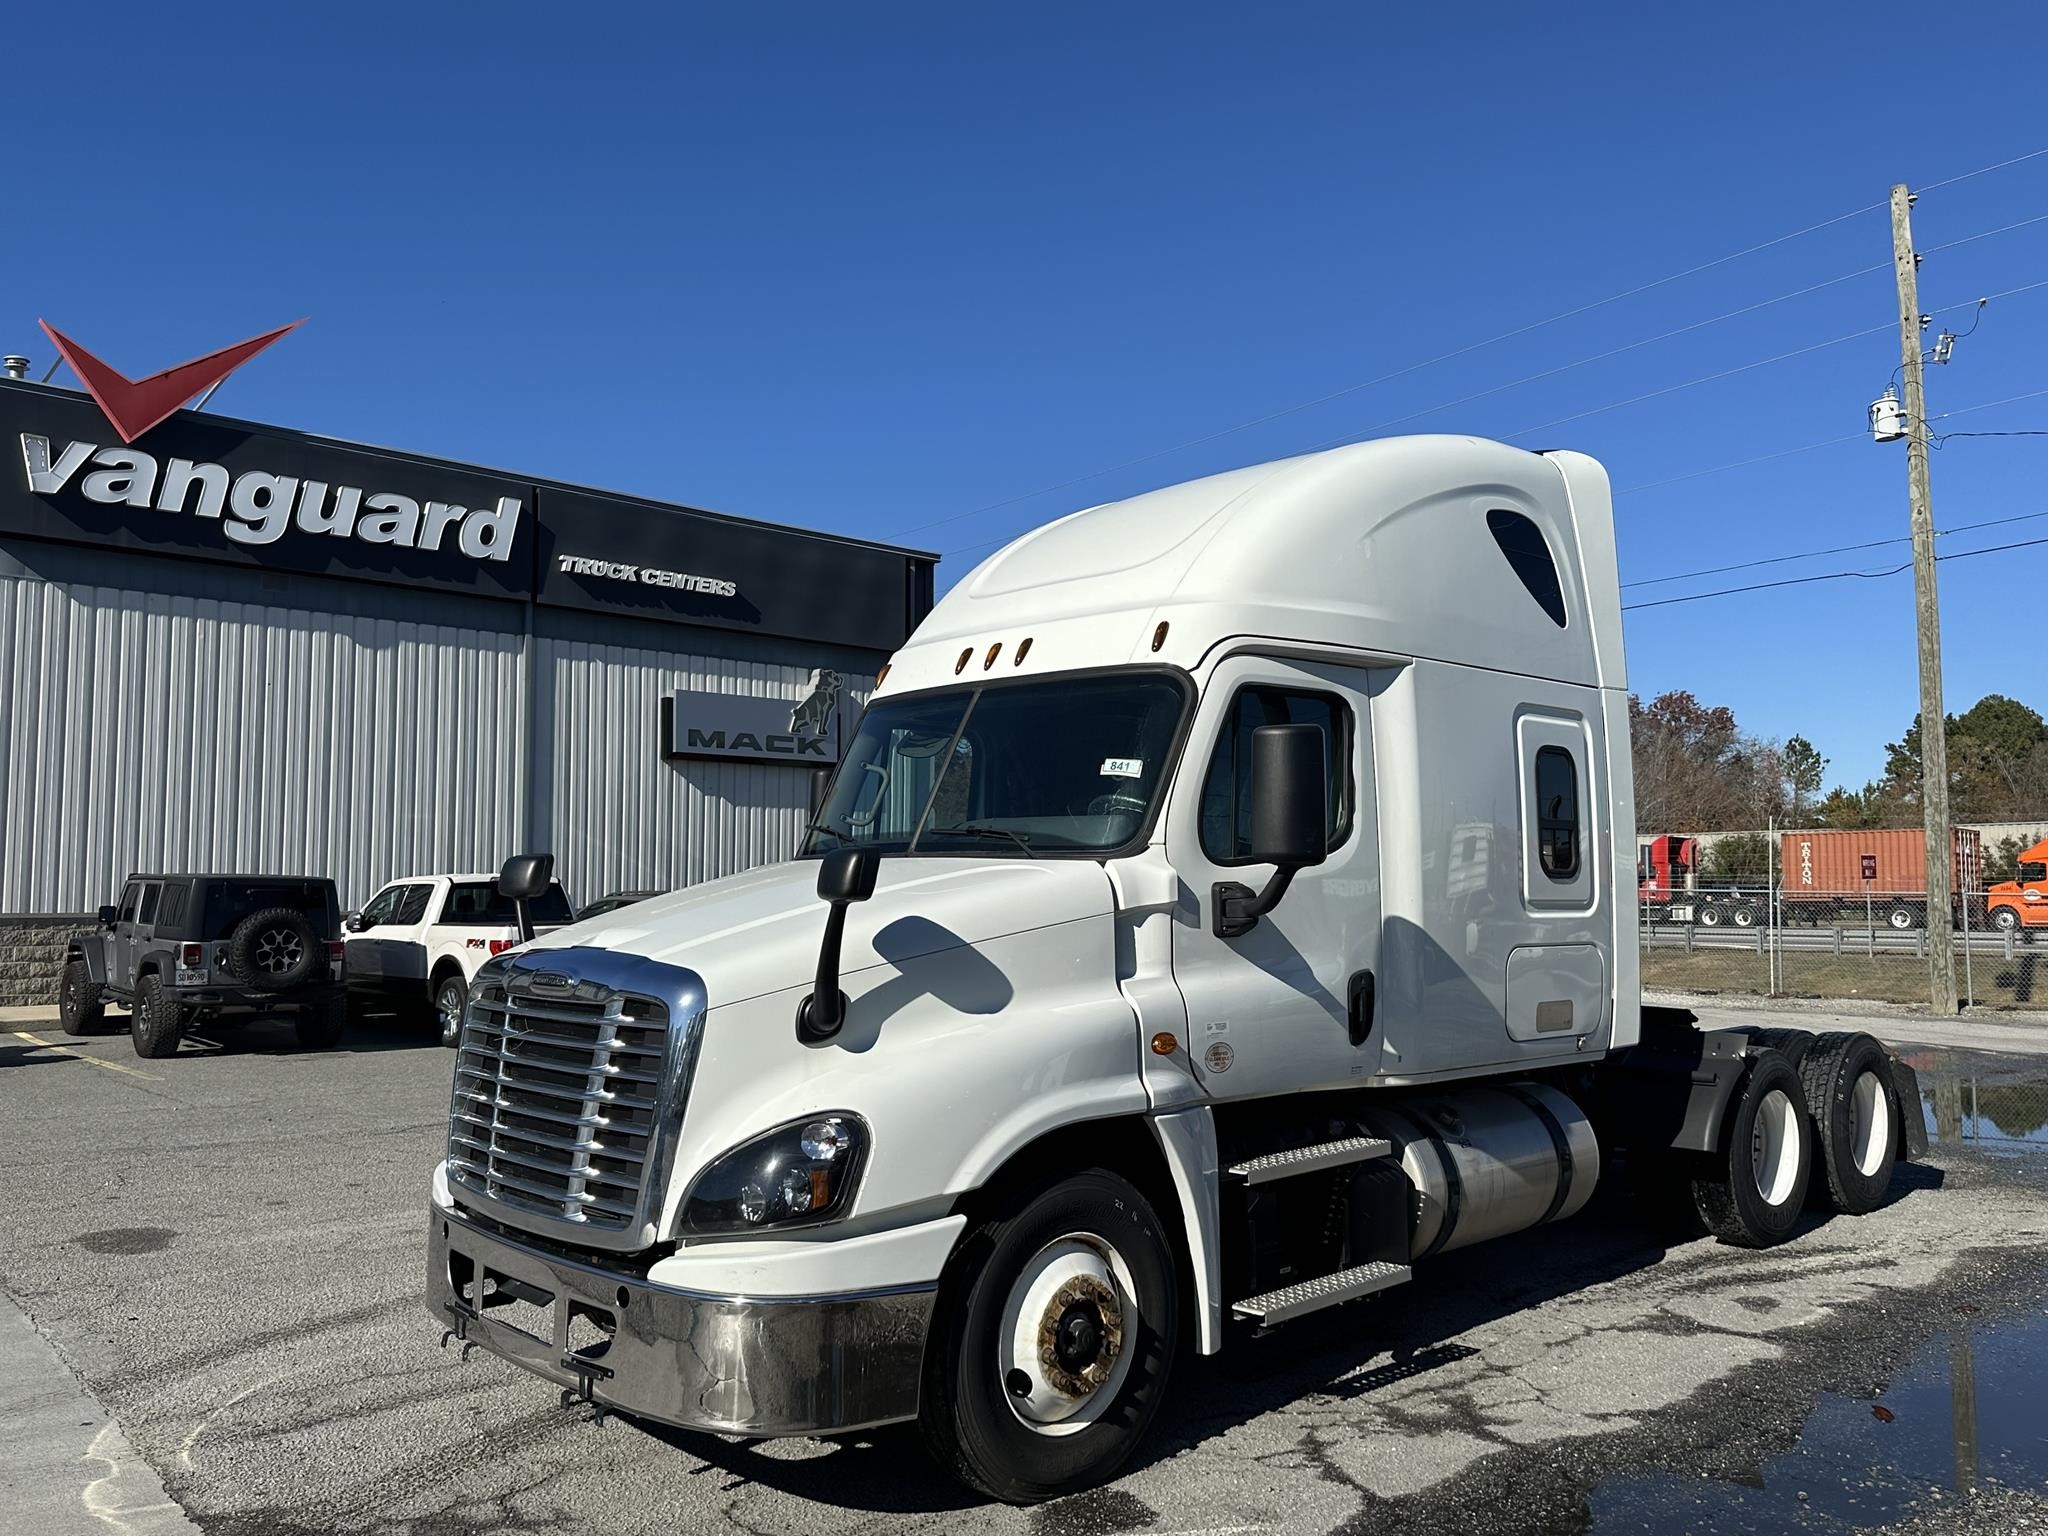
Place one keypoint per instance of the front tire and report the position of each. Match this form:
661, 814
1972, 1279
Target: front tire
157, 1022
2006, 919
1751, 1192
1055, 1335
81, 1007
451, 996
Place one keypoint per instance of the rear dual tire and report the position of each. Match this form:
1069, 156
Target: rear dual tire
1851, 1099
1750, 1194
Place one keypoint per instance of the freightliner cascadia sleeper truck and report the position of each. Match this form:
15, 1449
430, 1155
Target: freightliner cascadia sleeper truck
1226, 904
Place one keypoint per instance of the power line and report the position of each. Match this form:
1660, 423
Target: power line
1762, 362
1815, 554
1762, 458
1800, 581
1398, 373
1524, 330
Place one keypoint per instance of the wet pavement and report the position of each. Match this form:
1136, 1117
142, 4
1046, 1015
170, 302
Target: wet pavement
225, 1251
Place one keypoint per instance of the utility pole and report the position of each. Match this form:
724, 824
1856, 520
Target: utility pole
1941, 955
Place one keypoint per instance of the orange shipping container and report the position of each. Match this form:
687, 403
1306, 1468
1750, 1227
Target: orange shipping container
1882, 863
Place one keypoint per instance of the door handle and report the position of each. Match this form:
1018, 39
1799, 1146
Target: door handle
1361, 1006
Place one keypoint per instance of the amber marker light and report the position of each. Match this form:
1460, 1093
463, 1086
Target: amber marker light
1023, 650
993, 652
965, 657
1159, 635
1164, 1044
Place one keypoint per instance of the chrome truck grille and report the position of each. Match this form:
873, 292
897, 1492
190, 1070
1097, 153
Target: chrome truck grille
569, 1083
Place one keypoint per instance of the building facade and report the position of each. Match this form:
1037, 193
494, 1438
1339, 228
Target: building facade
227, 647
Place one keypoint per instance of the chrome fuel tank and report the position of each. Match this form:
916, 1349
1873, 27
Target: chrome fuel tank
1485, 1161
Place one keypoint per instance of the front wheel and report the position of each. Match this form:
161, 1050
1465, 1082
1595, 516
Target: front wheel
2005, 919
451, 996
81, 1008
1054, 1338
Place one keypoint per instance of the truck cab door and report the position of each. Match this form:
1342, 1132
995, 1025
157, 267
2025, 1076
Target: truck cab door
1292, 1004
405, 936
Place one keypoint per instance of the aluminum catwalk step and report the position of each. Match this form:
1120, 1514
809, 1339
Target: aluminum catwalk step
1305, 1296
1328, 1154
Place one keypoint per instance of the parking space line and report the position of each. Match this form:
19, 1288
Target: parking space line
91, 1061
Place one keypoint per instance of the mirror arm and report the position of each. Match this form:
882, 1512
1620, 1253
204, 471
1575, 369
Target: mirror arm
1237, 908
819, 1016
519, 914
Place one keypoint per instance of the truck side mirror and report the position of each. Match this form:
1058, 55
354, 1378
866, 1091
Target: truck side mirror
108, 916
1290, 796
525, 876
845, 875
353, 923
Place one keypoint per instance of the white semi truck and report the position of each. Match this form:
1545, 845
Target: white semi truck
1227, 905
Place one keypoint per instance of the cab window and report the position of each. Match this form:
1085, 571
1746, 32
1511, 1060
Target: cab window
129, 899
1557, 813
380, 907
412, 906
146, 913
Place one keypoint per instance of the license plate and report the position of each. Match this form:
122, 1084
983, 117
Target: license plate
191, 978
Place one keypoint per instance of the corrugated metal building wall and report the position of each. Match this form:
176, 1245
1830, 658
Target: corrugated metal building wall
622, 817
301, 725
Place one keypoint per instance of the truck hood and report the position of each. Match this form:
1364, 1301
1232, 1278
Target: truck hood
756, 933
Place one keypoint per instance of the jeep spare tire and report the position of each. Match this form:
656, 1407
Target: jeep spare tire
274, 950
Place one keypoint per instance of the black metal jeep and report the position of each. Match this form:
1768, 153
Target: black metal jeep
184, 948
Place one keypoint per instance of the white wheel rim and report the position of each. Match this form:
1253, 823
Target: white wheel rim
1744, 918
1075, 1291
1902, 919
1870, 1124
1774, 1147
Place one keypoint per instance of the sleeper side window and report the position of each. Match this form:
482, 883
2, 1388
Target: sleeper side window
1557, 813
1522, 543
1226, 817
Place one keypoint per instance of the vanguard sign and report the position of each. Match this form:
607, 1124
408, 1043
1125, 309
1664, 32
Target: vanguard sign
806, 731
261, 506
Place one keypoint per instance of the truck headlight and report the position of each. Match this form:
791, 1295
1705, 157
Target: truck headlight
794, 1175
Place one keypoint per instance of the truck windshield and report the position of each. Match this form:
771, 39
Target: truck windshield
1009, 769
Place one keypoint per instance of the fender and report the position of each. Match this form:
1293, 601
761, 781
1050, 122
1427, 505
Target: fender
1188, 1139
94, 954
1673, 1091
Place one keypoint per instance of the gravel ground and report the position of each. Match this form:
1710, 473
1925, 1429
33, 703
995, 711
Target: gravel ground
227, 1250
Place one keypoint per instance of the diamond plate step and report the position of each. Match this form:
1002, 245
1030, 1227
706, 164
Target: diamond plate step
1328, 1154
1305, 1296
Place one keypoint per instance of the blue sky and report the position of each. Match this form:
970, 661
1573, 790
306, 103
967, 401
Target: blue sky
868, 268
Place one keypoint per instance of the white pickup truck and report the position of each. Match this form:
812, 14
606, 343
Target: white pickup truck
419, 940
1225, 910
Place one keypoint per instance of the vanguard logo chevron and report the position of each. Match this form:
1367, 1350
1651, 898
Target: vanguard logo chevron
136, 405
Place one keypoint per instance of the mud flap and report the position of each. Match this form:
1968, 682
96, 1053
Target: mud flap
1906, 1095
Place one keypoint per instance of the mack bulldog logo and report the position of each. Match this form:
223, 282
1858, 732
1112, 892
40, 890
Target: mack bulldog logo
723, 725
256, 508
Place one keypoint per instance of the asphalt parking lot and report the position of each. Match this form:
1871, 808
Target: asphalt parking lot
226, 1250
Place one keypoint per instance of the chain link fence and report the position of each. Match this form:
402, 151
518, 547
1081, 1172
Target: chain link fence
1731, 938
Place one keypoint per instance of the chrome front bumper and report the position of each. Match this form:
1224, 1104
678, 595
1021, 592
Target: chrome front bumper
730, 1365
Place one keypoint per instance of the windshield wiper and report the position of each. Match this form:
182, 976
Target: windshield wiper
983, 829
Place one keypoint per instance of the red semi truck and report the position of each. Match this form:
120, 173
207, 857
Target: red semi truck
1826, 875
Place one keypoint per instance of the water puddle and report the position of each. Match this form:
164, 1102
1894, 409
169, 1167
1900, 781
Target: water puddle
1980, 1101
1966, 1414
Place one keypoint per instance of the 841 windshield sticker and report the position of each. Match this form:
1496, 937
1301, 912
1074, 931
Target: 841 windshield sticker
1123, 767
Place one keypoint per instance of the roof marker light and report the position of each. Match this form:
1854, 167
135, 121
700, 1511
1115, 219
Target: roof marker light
961, 665
1159, 635
1023, 650
993, 652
